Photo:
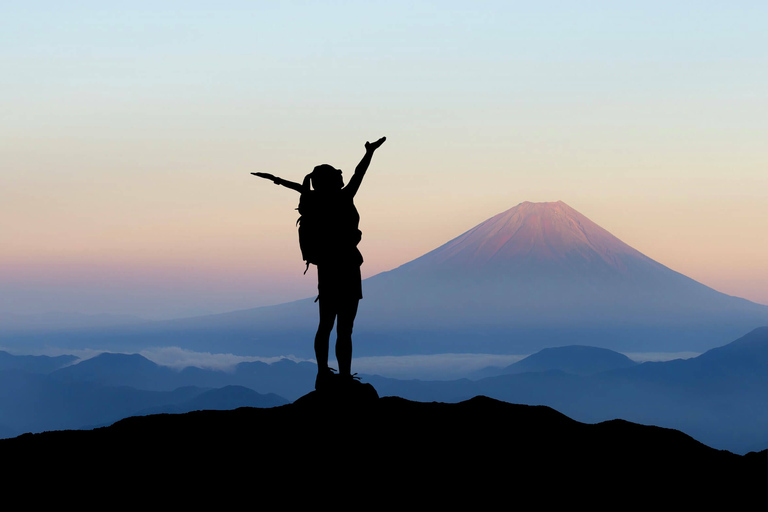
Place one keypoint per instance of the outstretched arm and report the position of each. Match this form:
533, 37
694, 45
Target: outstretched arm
279, 181
357, 178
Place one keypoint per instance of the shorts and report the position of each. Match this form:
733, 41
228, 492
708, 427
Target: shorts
338, 283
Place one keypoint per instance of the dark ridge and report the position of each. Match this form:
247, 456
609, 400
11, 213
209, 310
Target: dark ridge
394, 452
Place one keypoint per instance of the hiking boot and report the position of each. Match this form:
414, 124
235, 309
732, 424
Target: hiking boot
325, 379
346, 380
350, 387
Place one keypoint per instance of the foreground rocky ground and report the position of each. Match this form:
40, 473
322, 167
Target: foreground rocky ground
361, 452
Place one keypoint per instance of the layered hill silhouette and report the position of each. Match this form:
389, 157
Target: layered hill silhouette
391, 451
720, 398
576, 359
110, 387
136, 371
33, 364
535, 276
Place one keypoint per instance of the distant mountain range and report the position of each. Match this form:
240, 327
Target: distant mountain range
110, 387
538, 275
394, 453
133, 370
575, 359
720, 398
34, 364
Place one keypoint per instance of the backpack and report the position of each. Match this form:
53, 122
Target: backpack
320, 235
310, 227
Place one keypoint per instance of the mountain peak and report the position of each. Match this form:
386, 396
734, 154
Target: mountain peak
536, 233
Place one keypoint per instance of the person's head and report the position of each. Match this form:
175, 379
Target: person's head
326, 177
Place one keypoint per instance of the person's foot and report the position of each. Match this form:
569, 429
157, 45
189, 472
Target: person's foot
347, 379
324, 379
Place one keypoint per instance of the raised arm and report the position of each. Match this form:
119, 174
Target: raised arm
280, 181
357, 178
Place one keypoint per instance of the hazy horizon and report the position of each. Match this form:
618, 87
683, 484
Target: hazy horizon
448, 366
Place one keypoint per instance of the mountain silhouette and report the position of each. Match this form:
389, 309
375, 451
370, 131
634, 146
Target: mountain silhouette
477, 453
33, 364
221, 399
747, 355
538, 275
576, 359
134, 370
720, 397
110, 387
110, 369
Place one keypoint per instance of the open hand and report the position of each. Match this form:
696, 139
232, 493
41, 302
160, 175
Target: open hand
264, 175
373, 146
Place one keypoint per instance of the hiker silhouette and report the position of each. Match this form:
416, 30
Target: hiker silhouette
328, 237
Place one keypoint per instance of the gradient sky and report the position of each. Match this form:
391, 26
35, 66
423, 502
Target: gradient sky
129, 130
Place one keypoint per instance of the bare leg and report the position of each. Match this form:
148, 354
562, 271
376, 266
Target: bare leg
346, 320
327, 318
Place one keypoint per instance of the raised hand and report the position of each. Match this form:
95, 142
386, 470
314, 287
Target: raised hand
373, 146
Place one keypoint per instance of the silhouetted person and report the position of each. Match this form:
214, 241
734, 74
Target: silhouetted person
330, 237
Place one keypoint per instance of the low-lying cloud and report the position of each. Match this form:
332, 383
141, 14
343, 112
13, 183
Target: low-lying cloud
424, 367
